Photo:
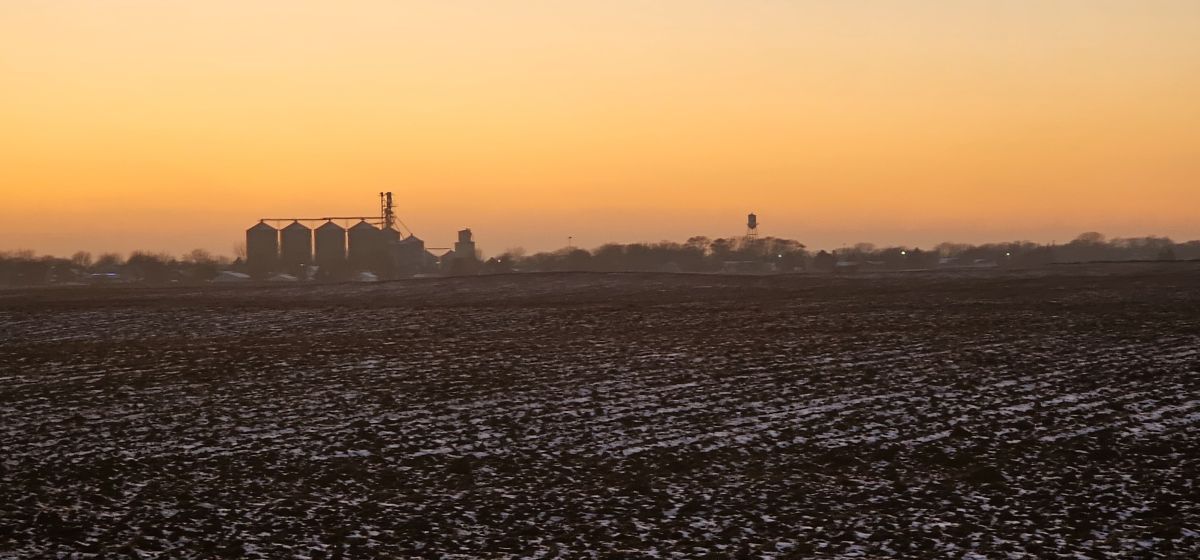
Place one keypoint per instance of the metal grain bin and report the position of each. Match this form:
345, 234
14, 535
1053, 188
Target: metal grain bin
296, 245
409, 255
331, 244
366, 243
390, 234
262, 247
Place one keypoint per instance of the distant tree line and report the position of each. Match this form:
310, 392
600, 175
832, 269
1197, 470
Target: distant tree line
26, 268
769, 254
698, 254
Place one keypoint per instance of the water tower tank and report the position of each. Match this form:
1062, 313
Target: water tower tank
752, 221
331, 244
296, 244
262, 247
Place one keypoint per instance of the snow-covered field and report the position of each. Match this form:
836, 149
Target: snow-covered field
568, 415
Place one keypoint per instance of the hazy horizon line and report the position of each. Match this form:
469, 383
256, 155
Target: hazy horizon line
1104, 238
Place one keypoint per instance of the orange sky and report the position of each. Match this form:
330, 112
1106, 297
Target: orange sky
169, 125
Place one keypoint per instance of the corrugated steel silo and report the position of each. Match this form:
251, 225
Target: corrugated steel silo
296, 244
390, 234
331, 244
262, 247
366, 243
409, 255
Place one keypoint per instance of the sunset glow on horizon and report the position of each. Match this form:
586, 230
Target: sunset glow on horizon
168, 126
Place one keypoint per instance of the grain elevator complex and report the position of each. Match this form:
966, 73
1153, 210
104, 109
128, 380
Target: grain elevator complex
372, 247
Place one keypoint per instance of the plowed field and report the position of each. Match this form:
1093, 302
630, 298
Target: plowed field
1006, 415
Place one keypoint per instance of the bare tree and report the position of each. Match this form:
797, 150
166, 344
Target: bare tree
198, 256
82, 259
108, 260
